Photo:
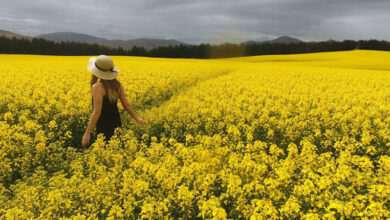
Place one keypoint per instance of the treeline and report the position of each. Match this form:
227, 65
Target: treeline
46, 47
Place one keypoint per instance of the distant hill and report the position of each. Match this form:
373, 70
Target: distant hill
283, 40
11, 34
147, 43
69, 37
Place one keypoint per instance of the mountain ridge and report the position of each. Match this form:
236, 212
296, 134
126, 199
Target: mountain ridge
147, 43
12, 34
282, 39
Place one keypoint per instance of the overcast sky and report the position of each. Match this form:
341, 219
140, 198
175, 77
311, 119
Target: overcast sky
197, 21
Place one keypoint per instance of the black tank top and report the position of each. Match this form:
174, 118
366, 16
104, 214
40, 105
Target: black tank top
109, 118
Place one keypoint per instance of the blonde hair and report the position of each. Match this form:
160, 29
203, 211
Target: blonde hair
111, 87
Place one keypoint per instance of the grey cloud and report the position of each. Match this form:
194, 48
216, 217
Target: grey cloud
201, 20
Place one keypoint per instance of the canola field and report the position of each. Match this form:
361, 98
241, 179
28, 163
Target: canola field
265, 137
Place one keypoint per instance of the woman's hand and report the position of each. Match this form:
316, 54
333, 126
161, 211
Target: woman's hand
141, 121
85, 140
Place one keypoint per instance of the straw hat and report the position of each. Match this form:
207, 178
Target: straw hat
103, 67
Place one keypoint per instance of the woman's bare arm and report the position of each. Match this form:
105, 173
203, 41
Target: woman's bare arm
97, 107
126, 104
127, 107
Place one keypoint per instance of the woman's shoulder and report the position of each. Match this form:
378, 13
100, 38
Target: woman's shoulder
98, 87
97, 84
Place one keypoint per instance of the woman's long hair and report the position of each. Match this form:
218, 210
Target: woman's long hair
112, 87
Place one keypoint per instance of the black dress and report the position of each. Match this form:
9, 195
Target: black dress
109, 118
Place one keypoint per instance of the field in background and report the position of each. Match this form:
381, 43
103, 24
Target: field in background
267, 136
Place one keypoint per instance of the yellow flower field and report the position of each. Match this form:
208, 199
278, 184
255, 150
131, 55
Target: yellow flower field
265, 137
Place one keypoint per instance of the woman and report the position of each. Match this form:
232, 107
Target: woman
105, 95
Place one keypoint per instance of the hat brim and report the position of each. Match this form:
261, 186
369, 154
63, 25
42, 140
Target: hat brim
108, 75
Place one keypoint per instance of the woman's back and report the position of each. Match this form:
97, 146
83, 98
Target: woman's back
109, 118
